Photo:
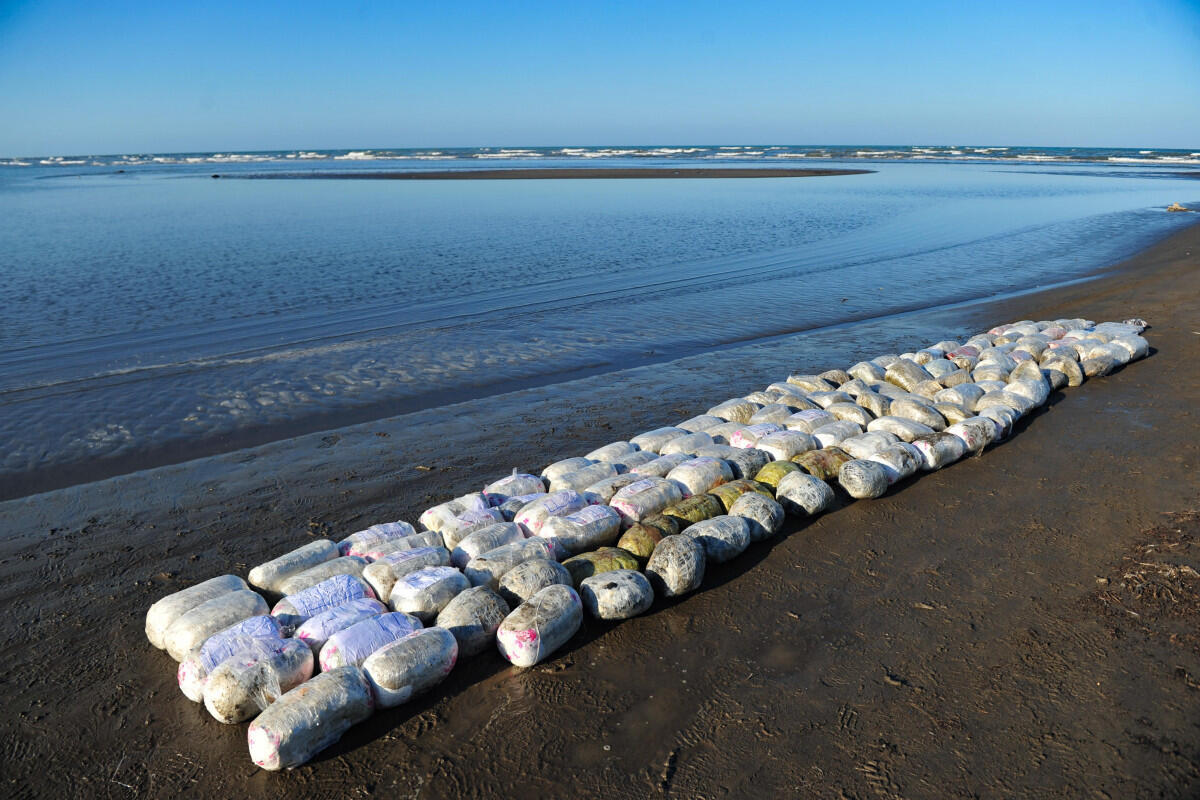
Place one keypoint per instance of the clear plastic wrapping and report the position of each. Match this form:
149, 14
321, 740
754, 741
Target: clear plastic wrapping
168, 609
619, 594
351, 646
269, 577
540, 625
412, 666
254, 677
191, 629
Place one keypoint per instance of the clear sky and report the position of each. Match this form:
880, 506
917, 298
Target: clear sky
113, 77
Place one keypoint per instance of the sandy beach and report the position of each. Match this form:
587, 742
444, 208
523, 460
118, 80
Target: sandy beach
1018, 624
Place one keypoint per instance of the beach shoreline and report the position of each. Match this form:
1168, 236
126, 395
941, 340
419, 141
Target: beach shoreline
552, 173
947, 638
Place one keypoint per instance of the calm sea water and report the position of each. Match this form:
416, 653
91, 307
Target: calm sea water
155, 314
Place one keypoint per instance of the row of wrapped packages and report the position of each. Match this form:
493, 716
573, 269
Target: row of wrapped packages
383, 615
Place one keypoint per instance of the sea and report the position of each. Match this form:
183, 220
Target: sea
152, 314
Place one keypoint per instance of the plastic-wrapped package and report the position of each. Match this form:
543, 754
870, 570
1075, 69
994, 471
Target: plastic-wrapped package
666, 526
824, 463
564, 466
774, 472
749, 435
940, 368
866, 444
694, 509
645, 497
745, 462
738, 409
952, 412
723, 537
513, 505
414, 542
540, 625
269, 576
1003, 417
773, 412
874, 403
727, 493
1035, 391
687, 444
700, 423
1136, 346
619, 594
343, 565
293, 610
384, 573
939, 450
790, 394
1022, 405
483, 540
516, 485
532, 517
722, 434
867, 372
652, 441
834, 432
827, 399
309, 718
700, 474
1027, 370
976, 433
434, 518
836, 377
1068, 367
677, 566
864, 479
608, 487
904, 429
358, 544
629, 461
412, 666
611, 452
763, 398
590, 528
808, 421
762, 514
989, 371
604, 559
889, 390
917, 411
473, 617
850, 412
489, 568
529, 577
810, 383
170, 608
459, 528
802, 494
660, 466
194, 670
958, 376
640, 540
192, 628
854, 387
427, 591
900, 460
965, 395
580, 479
906, 374
317, 630
254, 677
1098, 366
351, 646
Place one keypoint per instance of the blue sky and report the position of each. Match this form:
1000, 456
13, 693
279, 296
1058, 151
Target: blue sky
112, 77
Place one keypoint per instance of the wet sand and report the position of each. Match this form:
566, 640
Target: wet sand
1014, 625
572, 173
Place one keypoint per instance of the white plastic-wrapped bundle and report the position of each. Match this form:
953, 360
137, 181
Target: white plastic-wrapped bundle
700, 423
889, 390
532, 517
906, 374
1136, 346
315, 631
956, 377
269, 576
580, 479
763, 398
802, 494
874, 403
660, 466
473, 617
901, 460
459, 528
965, 395
611, 452
810, 383
762, 514
1003, 417
513, 505
606, 488
867, 372
540, 625
515, 485
645, 498
359, 544
724, 433
952, 412
834, 432
170, 608
749, 435
782, 445
434, 518
687, 444
592, 527
383, 574
1035, 391
939, 450
351, 646
1022, 405
866, 444
309, 718
427, 591
616, 594
194, 670
851, 412
918, 411
808, 421
744, 462
412, 666
863, 479
676, 567
628, 461
293, 610
1068, 367
790, 394
563, 467
1099, 365
827, 399
976, 433
190, 629
723, 537
773, 412
652, 441
489, 568
414, 542
529, 577
485, 539
1027, 370
738, 409
343, 565
940, 368
904, 429
699, 475
254, 677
